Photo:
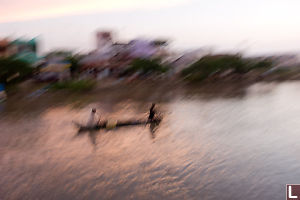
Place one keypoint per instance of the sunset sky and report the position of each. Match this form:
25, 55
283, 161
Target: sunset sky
253, 26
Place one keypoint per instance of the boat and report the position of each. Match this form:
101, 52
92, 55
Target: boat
111, 125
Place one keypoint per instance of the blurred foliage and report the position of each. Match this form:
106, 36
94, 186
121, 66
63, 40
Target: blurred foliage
146, 66
74, 61
212, 64
14, 69
266, 63
58, 53
75, 85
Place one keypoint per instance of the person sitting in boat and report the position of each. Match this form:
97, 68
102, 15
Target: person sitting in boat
152, 113
92, 121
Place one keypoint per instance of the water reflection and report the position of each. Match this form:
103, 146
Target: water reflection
203, 149
93, 134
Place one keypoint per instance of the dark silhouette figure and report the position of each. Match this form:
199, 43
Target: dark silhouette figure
152, 113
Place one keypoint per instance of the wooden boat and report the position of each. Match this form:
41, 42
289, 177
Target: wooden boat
111, 125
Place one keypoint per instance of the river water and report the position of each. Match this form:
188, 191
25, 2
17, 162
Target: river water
244, 147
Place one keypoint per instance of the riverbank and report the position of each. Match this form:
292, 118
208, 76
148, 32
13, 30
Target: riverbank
112, 91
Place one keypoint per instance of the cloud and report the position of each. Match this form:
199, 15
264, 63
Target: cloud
16, 10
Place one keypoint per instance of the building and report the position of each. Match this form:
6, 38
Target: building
104, 41
4, 48
117, 56
25, 50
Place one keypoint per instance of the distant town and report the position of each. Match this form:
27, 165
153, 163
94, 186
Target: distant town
138, 59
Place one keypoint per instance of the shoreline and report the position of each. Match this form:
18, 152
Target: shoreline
111, 92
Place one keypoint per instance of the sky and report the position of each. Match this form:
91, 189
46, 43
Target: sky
248, 26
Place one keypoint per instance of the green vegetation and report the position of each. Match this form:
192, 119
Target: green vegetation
75, 86
74, 61
212, 64
59, 53
263, 64
13, 70
146, 66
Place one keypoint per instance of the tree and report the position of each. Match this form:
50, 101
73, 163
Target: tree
74, 61
211, 64
147, 66
14, 70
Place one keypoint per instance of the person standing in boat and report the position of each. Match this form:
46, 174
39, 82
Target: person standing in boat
92, 121
152, 113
